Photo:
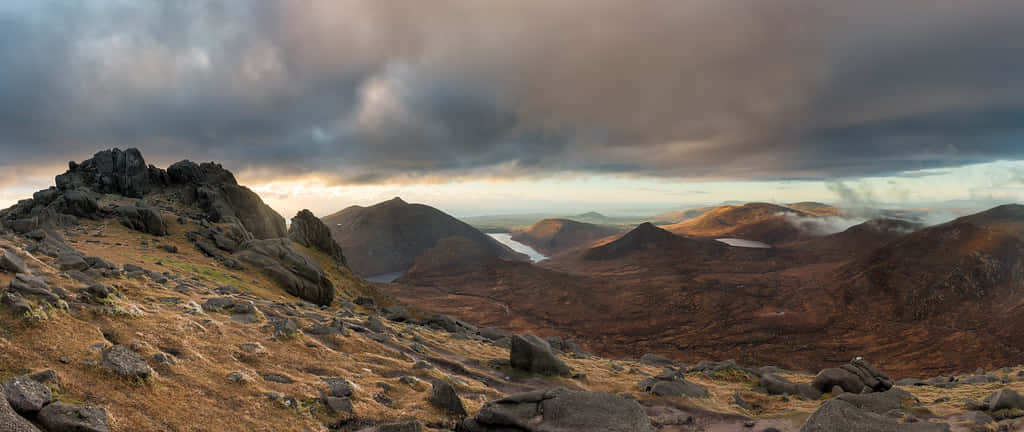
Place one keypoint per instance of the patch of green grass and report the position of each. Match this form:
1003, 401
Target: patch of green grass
216, 275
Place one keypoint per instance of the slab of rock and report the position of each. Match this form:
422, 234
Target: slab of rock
297, 273
533, 354
26, 395
121, 360
10, 421
443, 396
560, 410
60, 416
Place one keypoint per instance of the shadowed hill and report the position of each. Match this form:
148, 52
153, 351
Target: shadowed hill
387, 237
647, 238
552, 236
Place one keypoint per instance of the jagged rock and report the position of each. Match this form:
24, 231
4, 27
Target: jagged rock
226, 202
25, 284
127, 363
60, 416
11, 263
26, 395
71, 262
559, 410
142, 219
10, 421
531, 353
1005, 399
443, 396
309, 231
854, 377
300, 275
837, 415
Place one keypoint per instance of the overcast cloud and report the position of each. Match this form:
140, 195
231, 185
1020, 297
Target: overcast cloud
371, 91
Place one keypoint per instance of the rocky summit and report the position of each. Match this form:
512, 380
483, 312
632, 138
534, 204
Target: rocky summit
141, 299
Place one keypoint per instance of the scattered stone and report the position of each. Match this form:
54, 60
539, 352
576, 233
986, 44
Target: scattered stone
239, 377
443, 396
127, 363
60, 416
533, 354
26, 395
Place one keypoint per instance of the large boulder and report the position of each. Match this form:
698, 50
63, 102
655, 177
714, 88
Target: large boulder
533, 354
559, 410
838, 415
672, 382
141, 218
11, 262
855, 377
443, 396
26, 395
10, 421
1005, 399
63, 417
297, 273
311, 232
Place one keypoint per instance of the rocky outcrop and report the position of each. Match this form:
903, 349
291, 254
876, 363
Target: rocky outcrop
559, 410
309, 231
225, 202
113, 172
297, 273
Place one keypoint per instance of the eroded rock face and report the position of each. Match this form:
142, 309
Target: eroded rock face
309, 231
297, 273
560, 410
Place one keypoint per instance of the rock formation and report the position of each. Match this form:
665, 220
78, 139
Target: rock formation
309, 231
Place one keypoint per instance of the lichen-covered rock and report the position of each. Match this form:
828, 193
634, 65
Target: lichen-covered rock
26, 395
127, 363
10, 421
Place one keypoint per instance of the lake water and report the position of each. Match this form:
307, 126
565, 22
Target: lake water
386, 277
744, 243
506, 239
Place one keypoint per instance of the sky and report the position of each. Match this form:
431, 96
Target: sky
528, 106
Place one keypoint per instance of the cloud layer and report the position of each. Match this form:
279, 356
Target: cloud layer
367, 91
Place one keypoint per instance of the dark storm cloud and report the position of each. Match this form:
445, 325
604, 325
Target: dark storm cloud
366, 91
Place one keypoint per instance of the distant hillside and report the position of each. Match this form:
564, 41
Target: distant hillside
552, 236
387, 237
682, 215
647, 238
815, 208
752, 221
